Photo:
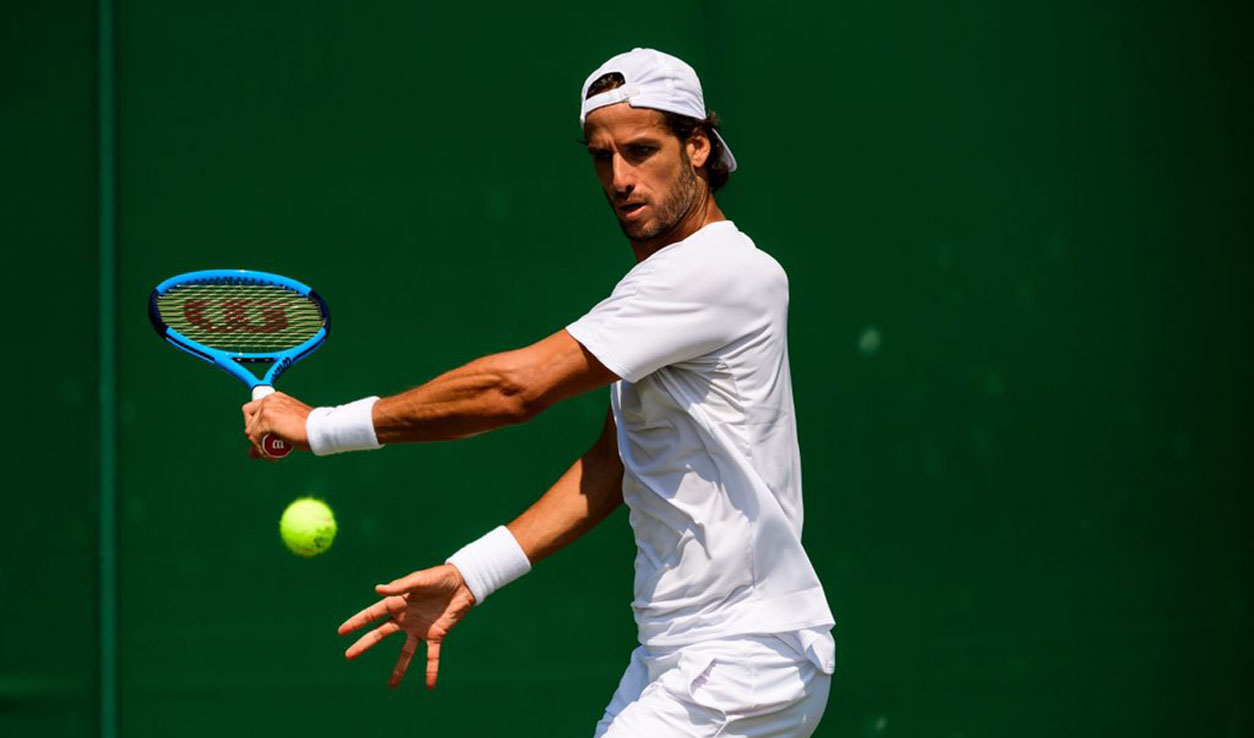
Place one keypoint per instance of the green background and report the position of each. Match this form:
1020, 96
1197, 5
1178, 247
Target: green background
1021, 337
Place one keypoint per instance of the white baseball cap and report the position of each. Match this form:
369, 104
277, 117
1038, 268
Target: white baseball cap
651, 79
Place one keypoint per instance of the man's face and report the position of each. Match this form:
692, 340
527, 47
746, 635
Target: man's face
646, 172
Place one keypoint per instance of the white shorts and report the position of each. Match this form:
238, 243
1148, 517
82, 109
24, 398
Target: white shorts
747, 686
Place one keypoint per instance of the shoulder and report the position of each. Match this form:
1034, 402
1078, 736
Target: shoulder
717, 265
727, 260
719, 247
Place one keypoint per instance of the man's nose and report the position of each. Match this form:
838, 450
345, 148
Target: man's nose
622, 179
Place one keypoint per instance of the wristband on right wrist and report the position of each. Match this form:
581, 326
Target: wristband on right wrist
334, 430
491, 562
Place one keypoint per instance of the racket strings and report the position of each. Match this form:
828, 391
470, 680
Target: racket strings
243, 318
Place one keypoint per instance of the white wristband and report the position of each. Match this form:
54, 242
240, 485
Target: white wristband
491, 562
334, 430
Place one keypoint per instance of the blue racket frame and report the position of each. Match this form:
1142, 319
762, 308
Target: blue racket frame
232, 361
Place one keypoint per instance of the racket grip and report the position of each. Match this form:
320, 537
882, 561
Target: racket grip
271, 445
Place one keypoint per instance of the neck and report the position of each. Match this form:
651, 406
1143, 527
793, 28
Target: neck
705, 213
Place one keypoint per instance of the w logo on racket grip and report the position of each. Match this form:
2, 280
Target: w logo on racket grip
234, 316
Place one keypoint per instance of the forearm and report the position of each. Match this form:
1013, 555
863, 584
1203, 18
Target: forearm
478, 397
585, 495
490, 392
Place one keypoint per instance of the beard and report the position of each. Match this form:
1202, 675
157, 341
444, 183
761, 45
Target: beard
683, 198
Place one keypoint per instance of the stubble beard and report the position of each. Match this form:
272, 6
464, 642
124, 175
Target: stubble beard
684, 198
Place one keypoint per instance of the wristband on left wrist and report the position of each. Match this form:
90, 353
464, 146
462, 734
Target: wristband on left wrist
491, 562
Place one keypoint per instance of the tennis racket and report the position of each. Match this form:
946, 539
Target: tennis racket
233, 317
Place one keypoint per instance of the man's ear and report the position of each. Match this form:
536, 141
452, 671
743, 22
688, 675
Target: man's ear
698, 148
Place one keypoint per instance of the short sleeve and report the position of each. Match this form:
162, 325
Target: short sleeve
668, 311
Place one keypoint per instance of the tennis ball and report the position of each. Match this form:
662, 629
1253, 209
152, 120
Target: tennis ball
307, 526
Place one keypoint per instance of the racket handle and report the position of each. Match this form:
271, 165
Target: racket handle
271, 445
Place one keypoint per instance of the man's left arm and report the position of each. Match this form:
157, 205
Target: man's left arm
429, 603
586, 494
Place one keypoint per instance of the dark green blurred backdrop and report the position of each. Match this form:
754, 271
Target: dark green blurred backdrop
1017, 236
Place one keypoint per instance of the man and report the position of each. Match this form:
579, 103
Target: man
700, 441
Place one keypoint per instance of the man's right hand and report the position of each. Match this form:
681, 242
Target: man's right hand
282, 415
426, 605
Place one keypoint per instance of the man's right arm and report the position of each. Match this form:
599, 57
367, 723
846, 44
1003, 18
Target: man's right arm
491, 392
586, 494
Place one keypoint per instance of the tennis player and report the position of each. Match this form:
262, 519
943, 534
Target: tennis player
700, 441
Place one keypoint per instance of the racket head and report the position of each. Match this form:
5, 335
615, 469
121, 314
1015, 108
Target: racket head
232, 317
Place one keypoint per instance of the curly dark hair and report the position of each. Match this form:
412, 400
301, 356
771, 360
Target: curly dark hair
682, 127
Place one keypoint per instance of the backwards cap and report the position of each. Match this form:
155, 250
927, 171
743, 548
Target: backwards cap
653, 80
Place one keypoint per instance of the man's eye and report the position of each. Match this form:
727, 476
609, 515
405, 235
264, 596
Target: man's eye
600, 154
641, 151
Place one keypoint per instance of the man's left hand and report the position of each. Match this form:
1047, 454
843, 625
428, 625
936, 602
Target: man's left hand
425, 605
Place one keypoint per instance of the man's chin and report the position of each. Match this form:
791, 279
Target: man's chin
638, 231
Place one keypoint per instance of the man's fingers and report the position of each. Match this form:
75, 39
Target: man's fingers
433, 662
405, 583
255, 452
369, 615
251, 421
366, 642
252, 413
402, 661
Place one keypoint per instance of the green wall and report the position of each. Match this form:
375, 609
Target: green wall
1021, 341
48, 564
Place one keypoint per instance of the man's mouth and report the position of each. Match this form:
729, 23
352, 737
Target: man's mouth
628, 210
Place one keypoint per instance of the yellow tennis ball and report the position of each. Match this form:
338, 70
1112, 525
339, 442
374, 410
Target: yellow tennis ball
307, 526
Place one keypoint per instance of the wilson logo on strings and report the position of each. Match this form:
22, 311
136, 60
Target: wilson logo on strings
235, 316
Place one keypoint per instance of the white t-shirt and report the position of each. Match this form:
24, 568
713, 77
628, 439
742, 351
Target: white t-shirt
708, 439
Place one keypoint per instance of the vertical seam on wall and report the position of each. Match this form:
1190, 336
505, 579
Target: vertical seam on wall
107, 224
